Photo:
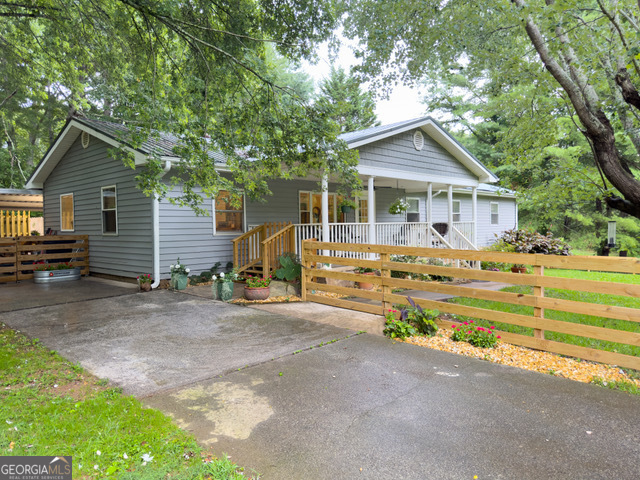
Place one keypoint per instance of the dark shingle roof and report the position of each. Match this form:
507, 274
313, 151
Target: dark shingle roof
351, 137
158, 143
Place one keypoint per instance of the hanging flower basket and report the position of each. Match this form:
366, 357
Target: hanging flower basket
398, 207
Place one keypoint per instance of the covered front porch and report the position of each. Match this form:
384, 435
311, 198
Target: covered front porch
320, 218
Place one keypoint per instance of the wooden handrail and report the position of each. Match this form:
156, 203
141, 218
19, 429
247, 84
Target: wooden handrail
281, 242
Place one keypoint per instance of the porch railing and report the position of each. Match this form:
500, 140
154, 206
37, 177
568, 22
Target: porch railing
15, 223
260, 247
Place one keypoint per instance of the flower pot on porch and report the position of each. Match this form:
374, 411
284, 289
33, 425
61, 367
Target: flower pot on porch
519, 269
179, 281
346, 209
257, 293
225, 291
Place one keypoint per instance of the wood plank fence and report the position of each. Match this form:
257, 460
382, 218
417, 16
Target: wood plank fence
14, 223
384, 297
20, 256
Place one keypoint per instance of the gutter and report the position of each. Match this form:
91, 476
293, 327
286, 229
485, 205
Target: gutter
155, 220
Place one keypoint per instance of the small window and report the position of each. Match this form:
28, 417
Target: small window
66, 212
495, 219
228, 218
109, 210
413, 212
457, 215
362, 214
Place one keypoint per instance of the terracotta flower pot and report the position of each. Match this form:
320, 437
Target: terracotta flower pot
258, 293
519, 269
145, 287
366, 285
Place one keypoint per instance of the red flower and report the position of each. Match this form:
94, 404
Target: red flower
498, 336
492, 327
453, 326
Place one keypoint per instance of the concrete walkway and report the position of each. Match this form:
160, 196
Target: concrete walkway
247, 383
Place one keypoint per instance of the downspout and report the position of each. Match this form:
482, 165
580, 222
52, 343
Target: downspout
155, 219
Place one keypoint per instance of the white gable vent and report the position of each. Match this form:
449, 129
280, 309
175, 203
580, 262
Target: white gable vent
85, 139
418, 140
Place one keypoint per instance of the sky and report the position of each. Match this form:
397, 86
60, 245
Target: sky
402, 104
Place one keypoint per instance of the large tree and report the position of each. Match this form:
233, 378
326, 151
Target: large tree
544, 55
197, 69
342, 100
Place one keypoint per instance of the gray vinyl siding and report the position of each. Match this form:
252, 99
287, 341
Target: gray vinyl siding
83, 172
507, 218
398, 153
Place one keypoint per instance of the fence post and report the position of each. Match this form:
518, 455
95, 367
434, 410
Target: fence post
385, 273
538, 292
305, 271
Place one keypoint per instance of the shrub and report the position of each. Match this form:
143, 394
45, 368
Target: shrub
477, 336
397, 328
530, 241
290, 268
413, 319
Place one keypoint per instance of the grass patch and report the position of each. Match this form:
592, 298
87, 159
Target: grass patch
49, 406
569, 317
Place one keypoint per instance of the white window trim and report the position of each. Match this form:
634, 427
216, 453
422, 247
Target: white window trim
491, 204
73, 208
454, 212
406, 214
244, 219
102, 209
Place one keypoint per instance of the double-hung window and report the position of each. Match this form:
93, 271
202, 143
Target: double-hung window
229, 218
413, 212
109, 199
457, 210
495, 217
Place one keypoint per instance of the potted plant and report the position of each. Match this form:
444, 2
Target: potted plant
144, 282
179, 275
222, 287
257, 288
51, 273
347, 205
518, 268
398, 207
366, 271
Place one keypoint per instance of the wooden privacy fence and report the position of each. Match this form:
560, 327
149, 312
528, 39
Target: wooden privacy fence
20, 256
14, 223
384, 298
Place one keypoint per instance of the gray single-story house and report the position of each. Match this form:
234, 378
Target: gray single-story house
86, 191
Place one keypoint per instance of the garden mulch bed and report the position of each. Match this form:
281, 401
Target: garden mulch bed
528, 359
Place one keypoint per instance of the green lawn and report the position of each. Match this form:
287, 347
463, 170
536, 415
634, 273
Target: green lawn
570, 317
49, 406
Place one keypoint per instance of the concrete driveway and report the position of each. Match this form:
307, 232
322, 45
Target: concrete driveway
361, 406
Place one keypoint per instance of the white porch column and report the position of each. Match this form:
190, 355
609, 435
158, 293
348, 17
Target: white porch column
474, 214
371, 205
429, 213
325, 211
450, 211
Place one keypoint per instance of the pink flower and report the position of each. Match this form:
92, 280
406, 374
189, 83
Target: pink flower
465, 323
498, 336
453, 326
492, 327
469, 332
470, 321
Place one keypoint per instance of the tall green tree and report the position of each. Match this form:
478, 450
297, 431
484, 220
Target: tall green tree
343, 101
191, 68
540, 56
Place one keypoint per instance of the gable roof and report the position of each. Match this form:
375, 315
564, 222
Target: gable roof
163, 144
432, 128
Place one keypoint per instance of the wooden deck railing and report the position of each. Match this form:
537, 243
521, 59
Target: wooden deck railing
14, 223
248, 250
281, 242
385, 298
20, 256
